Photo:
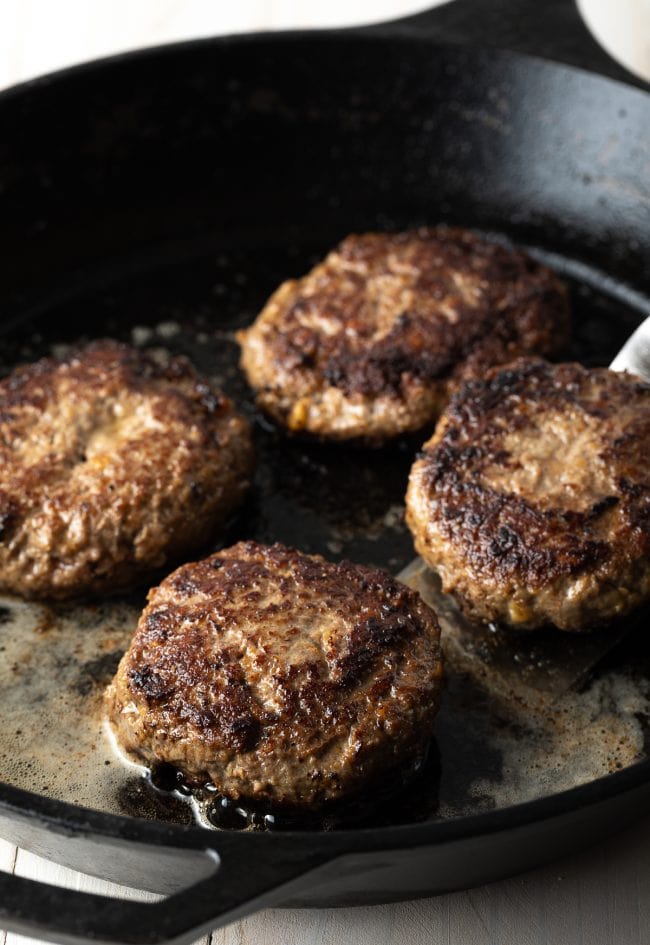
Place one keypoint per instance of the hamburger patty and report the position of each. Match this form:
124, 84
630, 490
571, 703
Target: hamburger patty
532, 498
111, 466
279, 677
368, 343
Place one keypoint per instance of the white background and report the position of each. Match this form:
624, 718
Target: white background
601, 897
39, 36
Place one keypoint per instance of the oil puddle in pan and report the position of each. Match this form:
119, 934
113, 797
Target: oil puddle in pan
488, 753
527, 753
55, 662
405, 797
540, 711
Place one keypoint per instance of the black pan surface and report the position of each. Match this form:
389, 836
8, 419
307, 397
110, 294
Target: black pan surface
180, 185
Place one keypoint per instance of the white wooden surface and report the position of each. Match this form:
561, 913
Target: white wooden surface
600, 897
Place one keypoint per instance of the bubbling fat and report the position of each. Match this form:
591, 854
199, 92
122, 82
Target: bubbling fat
55, 663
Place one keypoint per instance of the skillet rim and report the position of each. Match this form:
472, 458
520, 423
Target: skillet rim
66, 817
373, 34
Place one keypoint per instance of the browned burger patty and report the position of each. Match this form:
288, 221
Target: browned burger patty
279, 677
111, 465
532, 499
367, 344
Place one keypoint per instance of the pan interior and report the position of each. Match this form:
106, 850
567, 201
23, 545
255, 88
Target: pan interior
337, 501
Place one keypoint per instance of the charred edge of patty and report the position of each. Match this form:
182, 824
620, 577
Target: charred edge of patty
102, 362
523, 307
504, 534
399, 615
233, 719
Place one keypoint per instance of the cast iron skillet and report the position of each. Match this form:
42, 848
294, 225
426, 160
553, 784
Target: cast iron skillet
290, 139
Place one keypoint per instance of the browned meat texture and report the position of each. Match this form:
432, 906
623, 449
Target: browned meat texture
369, 342
532, 499
111, 466
280, 677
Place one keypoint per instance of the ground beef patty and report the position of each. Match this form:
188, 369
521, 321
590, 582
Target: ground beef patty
280, 677
367, 344
111, 465
532, 499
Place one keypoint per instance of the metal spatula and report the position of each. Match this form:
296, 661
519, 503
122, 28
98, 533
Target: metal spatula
531, 668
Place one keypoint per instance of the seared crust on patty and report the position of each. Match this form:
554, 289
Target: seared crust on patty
280, 677
532, 499
111, 466
368, 343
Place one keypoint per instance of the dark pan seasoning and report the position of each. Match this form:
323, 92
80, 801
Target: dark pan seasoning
340, 502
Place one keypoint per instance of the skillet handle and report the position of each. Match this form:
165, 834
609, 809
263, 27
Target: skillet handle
551, 29
236, 888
